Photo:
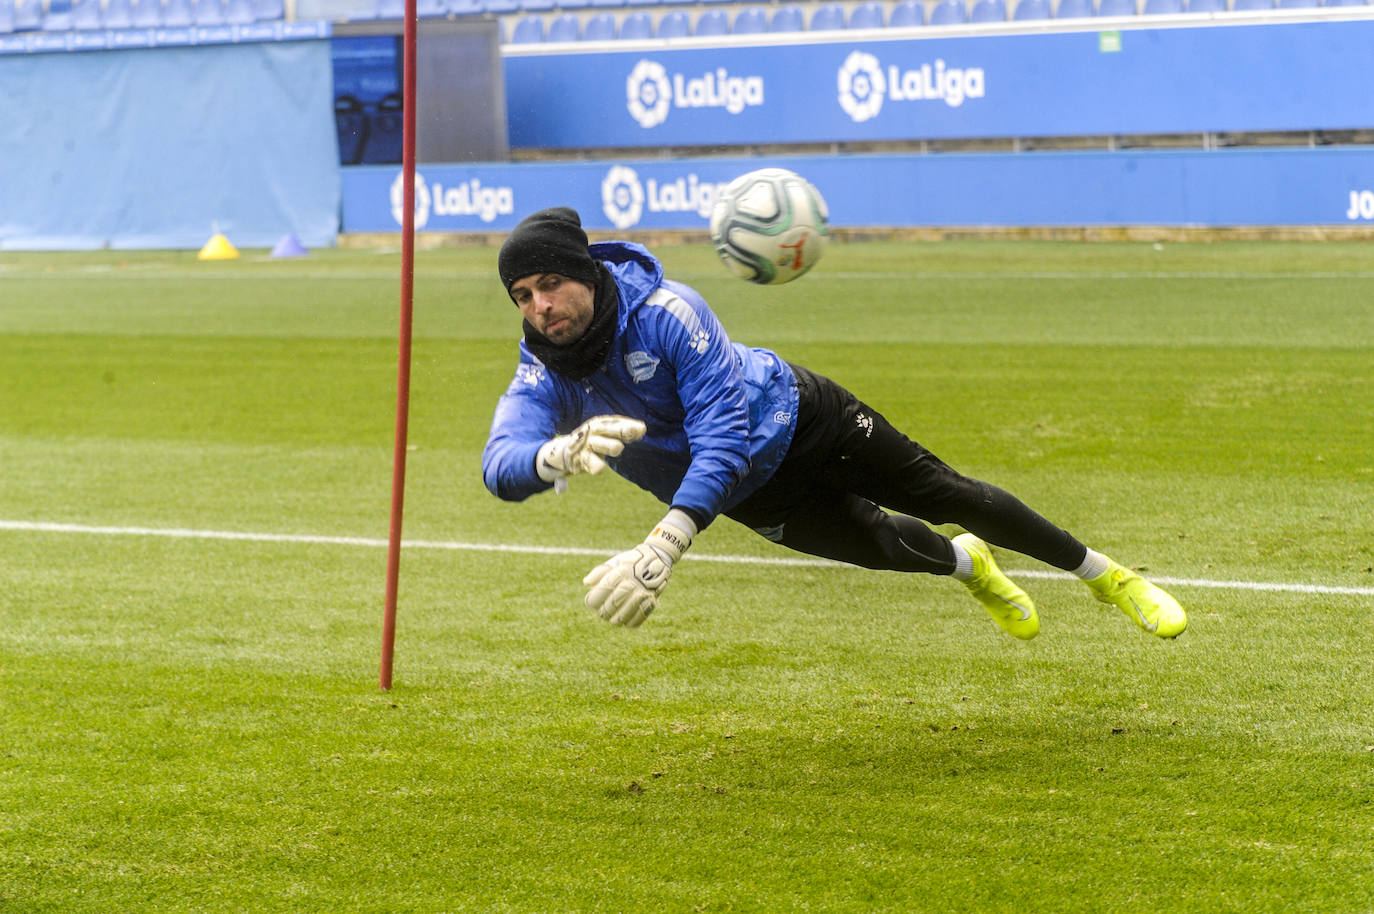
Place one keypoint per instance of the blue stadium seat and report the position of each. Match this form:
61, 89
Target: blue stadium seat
384, 132
529, 30
1298, 4
466, 7
1032, 9
988, 11
601, 27
57, 17
637, 27
1346, 2
906, 14
827, 17
1074, 9
146, 14
751, 20
675, 24
239, 12
430, 9
949, 12
1162, 7
177, 14
118, 14
564, 27
1116, 8
867, 15
712, 22
602, 3
1239, 5
28, 16
269, 10
207, 12
6, 18
350, 120
86, 14
501, 7
1206, 6
537, 6
787, 18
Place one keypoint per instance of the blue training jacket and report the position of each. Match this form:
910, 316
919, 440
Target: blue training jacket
720, 415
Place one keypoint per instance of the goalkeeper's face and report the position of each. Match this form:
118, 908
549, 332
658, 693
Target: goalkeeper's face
558, 307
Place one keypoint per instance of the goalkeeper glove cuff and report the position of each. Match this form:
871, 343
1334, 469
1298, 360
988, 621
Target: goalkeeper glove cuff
673, 535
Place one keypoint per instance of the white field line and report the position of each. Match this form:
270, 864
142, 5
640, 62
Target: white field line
374, 543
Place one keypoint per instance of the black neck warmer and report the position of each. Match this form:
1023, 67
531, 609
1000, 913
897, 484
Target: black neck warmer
586, 355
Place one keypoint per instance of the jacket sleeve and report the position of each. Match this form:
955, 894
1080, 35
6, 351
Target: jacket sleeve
712, 389
529, 413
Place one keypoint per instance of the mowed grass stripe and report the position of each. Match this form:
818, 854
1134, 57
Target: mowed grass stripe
373, 542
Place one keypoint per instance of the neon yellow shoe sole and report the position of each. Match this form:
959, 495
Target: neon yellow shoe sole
1143, 603
1009, 605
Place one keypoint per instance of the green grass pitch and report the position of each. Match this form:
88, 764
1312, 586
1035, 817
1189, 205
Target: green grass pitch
192, 722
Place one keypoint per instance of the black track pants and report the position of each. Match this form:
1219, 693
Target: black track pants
847, 463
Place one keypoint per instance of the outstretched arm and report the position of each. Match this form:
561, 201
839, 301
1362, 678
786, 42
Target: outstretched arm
715, 423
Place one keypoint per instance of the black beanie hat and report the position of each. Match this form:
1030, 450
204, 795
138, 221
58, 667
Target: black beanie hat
549, 241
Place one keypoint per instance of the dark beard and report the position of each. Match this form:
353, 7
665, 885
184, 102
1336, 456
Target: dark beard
585, 355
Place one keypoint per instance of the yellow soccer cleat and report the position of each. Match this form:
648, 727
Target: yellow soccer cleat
1009, 605
1144, 603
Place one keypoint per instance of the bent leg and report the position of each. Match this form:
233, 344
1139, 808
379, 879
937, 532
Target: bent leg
886, 467
844, 527
843, 445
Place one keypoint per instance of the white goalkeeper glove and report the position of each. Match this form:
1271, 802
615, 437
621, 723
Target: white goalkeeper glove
624, 589
585, 449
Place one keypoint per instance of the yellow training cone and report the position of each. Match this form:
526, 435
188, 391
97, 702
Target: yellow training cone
218, 248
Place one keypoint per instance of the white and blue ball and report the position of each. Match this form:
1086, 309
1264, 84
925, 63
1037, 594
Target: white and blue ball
769, 226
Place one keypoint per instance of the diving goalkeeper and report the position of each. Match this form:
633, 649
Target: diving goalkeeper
624, 368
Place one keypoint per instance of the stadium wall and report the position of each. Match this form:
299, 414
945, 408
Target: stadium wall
159, 147
1023, 80
1325, 186
132, 147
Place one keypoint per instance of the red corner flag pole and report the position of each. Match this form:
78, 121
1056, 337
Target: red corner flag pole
398, 463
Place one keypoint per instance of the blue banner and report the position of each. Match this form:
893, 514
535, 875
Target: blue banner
1236, 187
119, 39
1210, 78
161, 148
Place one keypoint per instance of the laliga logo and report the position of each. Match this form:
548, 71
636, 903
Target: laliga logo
421, 200
469, 198
624, 196
650, 94
863, 85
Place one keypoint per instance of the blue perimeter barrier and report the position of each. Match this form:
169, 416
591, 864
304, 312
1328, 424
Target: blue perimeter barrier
124, 39
1235, 187
1105, 79
160, 147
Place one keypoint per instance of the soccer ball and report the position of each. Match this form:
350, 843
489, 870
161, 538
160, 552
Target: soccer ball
769, 226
